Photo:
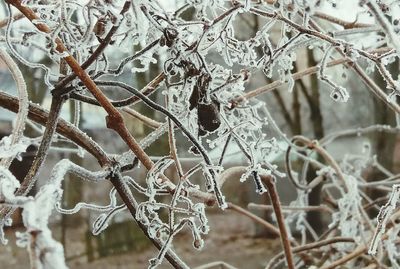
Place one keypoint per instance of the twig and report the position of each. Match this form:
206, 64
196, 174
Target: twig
220, 264
114, 119
345, 24
273, 194
328, 158
357, 252
66, 129
147, 90
309, 246
298, 75
271, 228
131, 204
22, 113
60, 89
291, 208
146, 120
14, 18
44, 146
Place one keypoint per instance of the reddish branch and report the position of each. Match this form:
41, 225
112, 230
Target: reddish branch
114, 119
60, 87
273, 194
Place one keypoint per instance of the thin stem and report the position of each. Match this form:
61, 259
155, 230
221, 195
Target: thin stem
308, 247
357, 252
64, 128
271, 228
22, 113
273, 194
132, 204
323, 208
60, 87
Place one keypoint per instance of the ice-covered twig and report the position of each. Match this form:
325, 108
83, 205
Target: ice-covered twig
22, 114
338, 92
18, 56
383, 22
383, 217
8, 185
66, 129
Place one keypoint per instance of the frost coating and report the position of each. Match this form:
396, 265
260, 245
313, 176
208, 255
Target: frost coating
206, 63
382, 219
23, 104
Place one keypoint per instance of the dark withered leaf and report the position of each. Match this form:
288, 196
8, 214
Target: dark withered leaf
208, 117
199, 90
194, 98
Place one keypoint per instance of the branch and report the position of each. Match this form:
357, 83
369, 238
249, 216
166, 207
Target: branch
114, 119
357, 252
148, 90
59, 88
298, 75
23, 100
66, 129
273, 194
271, 228
345, 24
309, 246
146, 120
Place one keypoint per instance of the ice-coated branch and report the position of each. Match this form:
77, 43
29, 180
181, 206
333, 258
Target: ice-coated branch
22, 114
384, 23
45, 252
205, 63
383, 218
64, 128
